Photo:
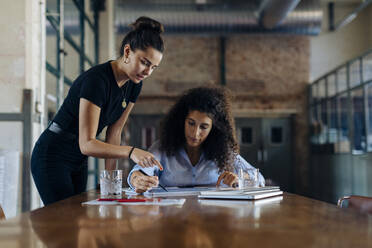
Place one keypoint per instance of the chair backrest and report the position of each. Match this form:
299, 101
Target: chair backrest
2, 215
361, 203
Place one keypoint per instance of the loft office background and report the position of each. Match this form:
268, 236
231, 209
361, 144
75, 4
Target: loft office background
268, 71
341, 124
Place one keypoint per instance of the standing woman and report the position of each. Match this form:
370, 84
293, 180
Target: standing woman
102, 96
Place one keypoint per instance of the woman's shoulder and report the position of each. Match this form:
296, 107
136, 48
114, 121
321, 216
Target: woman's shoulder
101, 70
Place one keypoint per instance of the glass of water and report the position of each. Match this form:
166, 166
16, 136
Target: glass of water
248, 177
111, 183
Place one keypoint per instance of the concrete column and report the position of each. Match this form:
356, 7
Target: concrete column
21, 67
12, 56
107, 47
370, 24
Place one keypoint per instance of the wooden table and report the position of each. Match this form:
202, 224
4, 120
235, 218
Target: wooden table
288, 221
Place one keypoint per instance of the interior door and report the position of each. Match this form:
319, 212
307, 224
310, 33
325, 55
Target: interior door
250, 140
144, 130
266, 144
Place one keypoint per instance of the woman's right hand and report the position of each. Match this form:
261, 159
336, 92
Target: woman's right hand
145, 159
143, 183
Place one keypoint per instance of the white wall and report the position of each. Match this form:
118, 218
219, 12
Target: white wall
20, 67
333, 48
370, 25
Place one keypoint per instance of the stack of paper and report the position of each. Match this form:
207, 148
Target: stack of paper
9, 181
244, 194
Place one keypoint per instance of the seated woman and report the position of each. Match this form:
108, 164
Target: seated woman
197, 145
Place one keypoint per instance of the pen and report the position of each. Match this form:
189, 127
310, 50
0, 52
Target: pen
144, 173
132, 200
128, 200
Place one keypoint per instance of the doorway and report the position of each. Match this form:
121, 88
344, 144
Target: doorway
144, 130
266, 143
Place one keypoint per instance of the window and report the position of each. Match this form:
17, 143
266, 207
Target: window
314, 125
367, 67
246, 135
369, 102
358, 121
276, 135
323, 122
341, 108
314, 93
344, 143
331, 85
341, 79
322, 89
355, 73
333, 125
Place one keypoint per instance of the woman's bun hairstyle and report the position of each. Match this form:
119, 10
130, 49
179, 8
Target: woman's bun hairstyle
143, 23
145, 33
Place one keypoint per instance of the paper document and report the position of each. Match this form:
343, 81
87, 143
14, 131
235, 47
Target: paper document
172, 191
159, 202
96, 202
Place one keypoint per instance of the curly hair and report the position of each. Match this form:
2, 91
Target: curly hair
221, 145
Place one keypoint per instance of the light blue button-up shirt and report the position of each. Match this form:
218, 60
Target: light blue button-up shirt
178, 170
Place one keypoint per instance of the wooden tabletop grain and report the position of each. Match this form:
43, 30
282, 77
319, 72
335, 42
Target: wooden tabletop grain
287, 221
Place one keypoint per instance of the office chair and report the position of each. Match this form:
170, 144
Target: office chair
2, 215
362, 204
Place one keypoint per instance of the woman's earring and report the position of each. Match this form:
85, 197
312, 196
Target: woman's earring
126, 60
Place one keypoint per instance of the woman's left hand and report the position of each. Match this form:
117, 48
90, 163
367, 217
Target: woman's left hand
227, 178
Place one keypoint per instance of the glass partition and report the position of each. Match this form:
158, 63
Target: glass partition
344, 141
333, 121
341, 108
314, 93
331, 85
357, 98
355, 73
369, 121
367, 67
341, 79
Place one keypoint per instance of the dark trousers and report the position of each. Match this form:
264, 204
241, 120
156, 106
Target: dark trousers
58, 167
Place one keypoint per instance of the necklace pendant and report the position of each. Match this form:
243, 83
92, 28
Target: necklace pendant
124, 104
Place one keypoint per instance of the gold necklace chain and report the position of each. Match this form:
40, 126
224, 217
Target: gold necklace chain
124, 103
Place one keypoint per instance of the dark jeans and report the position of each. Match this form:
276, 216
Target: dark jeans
58, 167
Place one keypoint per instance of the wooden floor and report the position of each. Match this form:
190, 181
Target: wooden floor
287, 221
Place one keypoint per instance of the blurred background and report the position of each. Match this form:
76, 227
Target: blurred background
300, 72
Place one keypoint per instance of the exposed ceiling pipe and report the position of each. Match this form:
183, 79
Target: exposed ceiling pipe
211, 17
350, 17
273, 12
217, 18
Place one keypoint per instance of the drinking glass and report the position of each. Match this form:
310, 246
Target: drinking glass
248, 177
111, 183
